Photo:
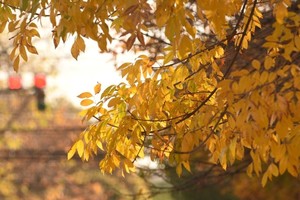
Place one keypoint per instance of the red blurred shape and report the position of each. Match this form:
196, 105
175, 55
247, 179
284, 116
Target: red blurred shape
40, 81
14, 82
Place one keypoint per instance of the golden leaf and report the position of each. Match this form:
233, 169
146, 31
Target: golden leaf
71, 152
186, 165
256, 64
33, 32
23, 52
85, 95
16, 63
75, 50
297, 42
86, 102
80, 43
97, 88
114, 101
31, 49
274, 169
280, 12
80, 148
99, 144
264, 179
179, 169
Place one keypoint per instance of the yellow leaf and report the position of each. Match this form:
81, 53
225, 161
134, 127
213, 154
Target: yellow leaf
232, 150
240, 73
71, 152
283, 164
168, 57
13, 53
33, 32
86, 102
12, 25
97, 88
264, 179
280, 12
31, 49
274, 169
264, 77
297, 42
256, 64
268, 62
116, 160
292, 170
179, 169
141, 152
250, 169
281, 129
80, 147
80, 43
185, 46
99, 144
16, 63
223, 159
124, 65
129, 166
23, 52
75, 50
108, 91
85, 95
186, 165
86, 155
114, 102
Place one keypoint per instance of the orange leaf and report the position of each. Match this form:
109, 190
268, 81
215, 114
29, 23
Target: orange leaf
85, 95
97, 88
86, 102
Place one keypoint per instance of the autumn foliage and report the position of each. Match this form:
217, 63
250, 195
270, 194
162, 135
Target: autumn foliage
217, 76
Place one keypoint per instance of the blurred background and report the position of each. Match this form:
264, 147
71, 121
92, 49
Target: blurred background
39, 120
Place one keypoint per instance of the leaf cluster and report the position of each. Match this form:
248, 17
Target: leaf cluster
203, 87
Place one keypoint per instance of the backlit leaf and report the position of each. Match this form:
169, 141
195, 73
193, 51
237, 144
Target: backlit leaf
85, 95
71, 152
80, 148
97, 88
86, 102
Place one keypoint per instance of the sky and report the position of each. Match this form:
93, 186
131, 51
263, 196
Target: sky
77, 76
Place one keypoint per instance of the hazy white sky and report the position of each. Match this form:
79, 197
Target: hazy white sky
76, 76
